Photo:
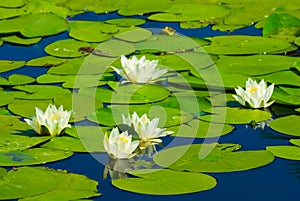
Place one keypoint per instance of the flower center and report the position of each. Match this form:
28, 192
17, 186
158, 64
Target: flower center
123, 139
253, 90
55, 117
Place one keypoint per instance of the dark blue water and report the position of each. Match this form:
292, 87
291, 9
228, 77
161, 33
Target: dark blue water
278, 181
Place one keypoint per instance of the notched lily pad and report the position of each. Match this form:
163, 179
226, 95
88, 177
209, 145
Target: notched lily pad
287, 125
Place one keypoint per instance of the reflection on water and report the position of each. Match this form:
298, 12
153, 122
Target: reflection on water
294, 168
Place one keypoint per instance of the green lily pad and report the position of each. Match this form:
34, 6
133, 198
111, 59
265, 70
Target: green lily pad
40, 91
282, 78
6, 98
283, 97
11, 124
237, 45
11, 143
66, 48
136, 7
297, 41
21, 41
26, 182
126, 22
128, 94
80, 105
149, 181
26, 108
87, 139
286, 152
19, 79
114, 48
287, 125
69, 186
6, 65
181, 12
235, 115
201, 129
212, 158
53, 7
12, 4
295, 142
134, 35
32, 156
255, 64
46, 61
113, 116
166, 43
291, 90
11, 12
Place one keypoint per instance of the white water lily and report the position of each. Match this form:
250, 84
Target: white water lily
256, 94
139, 71
120, 146
147, 129
53, 122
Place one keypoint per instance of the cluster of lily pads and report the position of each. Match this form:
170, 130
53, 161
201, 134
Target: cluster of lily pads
173, 85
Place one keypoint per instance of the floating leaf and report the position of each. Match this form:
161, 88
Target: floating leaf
212, 158
6, 98
11, 12
128, 94
32, 156
113, 116
6, 65
114, 48
19, 79
283, 97
297, 41
235, 115
26, 182
126, 22
66, 48
237, 45
21, 41
282, 78
134, 35
149, 181
11, 124
201, 129
286, 152
46, 61
287, 125
12, 4
295, 142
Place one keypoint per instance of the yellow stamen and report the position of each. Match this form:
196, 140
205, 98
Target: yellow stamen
253, 89
123, 139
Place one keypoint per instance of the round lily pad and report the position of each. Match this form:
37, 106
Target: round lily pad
19, 79
66, 48
69, 186
21, 41
46, 61
126, 22
212, 158
25, 182
201, 129
286, 152
284, 96
282, 78
114, 48
32, 156
113, 116
134, 35
128, 94
6, 65
235, 115
287, 125
237, 45
6, 98
165, 182
11, 124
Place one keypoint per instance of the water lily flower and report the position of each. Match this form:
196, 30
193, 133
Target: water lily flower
147, 129
256, 94
120, 145
53, 122
139, 71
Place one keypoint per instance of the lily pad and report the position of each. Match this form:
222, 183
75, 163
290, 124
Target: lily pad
26, 182
238, 45
40, 91
126, 22
295, 142
287, 125
10, 124
84, 139
282, 97
128, 94
235, 115
201, 129
6, 65
134, 35
19, 79
21, 41
46, 61
212, 158
66, 48
32, 156
297, 41
113, 116
286, 152
12, 4
6, 98
69, 186
114, 48
282, 78
149, 181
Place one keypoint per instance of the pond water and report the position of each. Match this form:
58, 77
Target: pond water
277, 181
